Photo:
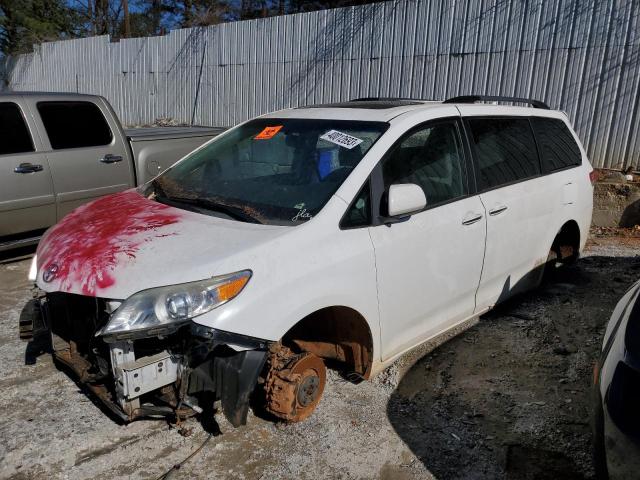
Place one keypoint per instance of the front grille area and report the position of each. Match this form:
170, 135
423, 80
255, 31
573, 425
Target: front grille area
74, 320
76, 317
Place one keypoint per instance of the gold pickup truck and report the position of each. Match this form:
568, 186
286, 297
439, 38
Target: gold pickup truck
60, 150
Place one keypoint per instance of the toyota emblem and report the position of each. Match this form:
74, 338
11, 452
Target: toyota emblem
50, 273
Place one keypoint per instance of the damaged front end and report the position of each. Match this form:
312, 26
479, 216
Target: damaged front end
171, 370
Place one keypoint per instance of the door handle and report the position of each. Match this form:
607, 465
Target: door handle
497, 210
110, 158
473, 219
28, 168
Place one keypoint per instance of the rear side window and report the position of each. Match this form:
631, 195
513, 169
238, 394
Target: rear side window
74, 124
558, 149
15, 134
505, 150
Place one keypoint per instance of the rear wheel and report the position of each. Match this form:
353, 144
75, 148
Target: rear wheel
294, 384
566, 246
563, 254
564, 250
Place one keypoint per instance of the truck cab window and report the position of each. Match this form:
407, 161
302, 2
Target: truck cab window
15, 134
74, 124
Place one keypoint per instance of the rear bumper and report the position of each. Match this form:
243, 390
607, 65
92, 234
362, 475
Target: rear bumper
177, 376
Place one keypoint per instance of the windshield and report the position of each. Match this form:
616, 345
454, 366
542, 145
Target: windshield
274, 171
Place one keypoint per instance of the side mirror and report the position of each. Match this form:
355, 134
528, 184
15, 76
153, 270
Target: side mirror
405, 198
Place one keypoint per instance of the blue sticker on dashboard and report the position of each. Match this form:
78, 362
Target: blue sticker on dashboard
325, 163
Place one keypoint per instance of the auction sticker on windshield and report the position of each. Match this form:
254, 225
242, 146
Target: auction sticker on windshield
342, 139
268, 132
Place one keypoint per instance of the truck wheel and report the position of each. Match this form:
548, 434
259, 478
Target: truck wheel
294, 384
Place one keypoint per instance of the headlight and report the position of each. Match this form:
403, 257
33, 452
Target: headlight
166, 308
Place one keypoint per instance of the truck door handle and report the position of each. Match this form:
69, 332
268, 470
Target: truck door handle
28, 168
473, 219
497, 210
110, 158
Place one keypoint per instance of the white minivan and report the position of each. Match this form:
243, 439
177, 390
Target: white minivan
344, 234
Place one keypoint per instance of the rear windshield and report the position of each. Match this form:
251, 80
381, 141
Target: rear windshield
275, 171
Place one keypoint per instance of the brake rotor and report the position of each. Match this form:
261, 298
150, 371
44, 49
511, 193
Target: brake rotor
294, 385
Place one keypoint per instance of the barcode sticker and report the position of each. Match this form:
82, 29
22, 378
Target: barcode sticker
342, 139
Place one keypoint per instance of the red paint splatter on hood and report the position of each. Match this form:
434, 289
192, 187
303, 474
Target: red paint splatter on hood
88, 244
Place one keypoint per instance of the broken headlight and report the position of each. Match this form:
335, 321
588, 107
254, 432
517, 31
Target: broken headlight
163, 309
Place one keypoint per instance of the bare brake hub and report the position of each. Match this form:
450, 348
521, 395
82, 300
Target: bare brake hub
308, 390
294, 384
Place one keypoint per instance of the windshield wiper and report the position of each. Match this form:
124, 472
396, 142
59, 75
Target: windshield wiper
234, 212
157, 189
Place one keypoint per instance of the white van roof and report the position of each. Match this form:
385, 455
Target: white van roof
385, 109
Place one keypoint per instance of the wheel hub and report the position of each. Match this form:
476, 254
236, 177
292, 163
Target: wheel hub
294, 384
308, 389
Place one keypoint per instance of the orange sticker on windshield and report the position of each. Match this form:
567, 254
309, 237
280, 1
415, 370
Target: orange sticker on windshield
268, 132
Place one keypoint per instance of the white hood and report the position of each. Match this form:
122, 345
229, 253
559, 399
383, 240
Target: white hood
124, 243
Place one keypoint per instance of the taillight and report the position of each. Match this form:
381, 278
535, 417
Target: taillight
593, 176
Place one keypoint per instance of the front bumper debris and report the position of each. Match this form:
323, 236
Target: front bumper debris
233, 378
175, 376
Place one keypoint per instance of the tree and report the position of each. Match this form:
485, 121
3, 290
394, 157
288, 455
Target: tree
99, 17
195, 13
296, 6
28, 22
266, 8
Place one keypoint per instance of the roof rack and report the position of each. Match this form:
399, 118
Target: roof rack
497, 98
386, 99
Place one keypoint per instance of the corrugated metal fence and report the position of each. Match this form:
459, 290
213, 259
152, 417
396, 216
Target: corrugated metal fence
579, 56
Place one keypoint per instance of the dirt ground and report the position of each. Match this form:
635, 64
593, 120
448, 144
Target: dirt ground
509, 398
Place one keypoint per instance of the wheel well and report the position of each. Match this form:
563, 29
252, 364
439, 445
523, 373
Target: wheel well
335, 333
566, 244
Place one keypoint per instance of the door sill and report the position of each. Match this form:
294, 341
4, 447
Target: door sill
408, 357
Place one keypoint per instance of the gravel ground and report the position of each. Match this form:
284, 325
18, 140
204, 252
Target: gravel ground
508, 398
